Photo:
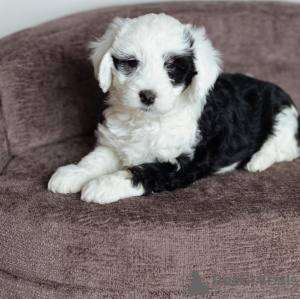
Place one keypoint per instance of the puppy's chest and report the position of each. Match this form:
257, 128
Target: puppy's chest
146, 141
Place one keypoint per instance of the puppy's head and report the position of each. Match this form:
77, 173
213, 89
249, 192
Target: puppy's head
149, 62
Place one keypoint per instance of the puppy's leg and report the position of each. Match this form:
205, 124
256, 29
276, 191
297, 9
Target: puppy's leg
136, 181
71, 178
147, 178
166, 176
110, 188
282, 146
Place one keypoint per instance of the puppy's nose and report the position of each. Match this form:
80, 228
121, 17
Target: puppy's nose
147, 97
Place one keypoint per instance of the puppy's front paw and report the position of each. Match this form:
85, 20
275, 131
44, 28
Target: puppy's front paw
68, 179
260, 161
110, 188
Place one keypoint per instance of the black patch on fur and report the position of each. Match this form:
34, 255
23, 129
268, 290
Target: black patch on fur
237, 119
181, 69
125, 65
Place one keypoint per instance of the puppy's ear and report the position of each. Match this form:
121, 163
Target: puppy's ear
207, 63
101, 53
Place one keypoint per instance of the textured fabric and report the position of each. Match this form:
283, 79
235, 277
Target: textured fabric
48, 90
4, 152
57, 247
229, 224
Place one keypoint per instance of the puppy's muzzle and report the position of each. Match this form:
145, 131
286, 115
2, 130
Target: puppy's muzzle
147, 97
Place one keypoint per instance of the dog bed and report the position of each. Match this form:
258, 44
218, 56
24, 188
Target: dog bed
237, 224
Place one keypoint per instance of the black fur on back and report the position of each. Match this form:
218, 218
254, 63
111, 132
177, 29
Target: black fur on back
237, 119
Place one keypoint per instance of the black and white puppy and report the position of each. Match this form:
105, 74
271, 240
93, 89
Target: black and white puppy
172, 118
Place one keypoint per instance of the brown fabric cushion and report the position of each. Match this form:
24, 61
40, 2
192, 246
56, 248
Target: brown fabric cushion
235, 223
56, 246
4, 152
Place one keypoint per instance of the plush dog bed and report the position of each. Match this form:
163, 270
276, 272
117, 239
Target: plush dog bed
233, 224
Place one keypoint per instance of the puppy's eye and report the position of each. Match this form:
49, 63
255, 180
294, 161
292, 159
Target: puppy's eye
180, 69
170, 67
132, 63
175, 66
125, 66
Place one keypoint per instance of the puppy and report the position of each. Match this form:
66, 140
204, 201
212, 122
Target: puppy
171, 117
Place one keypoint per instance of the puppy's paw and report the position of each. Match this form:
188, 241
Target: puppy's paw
110, 188
68, 179
260, 161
